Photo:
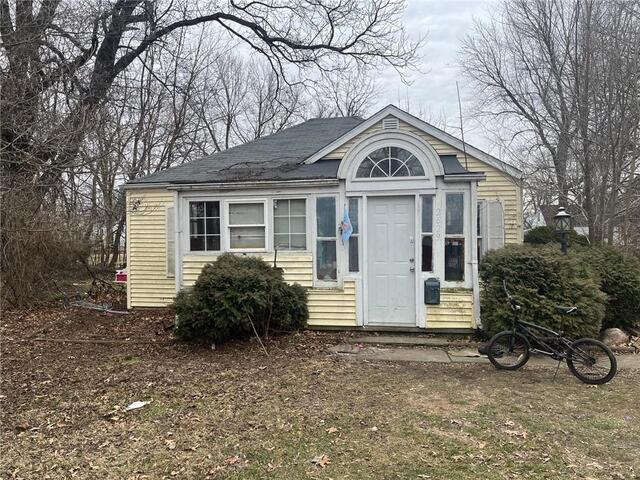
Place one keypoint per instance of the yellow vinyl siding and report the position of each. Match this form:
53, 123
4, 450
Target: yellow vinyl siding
454, 311
333, 307
148, 284
297, 266
327, 307
498, 184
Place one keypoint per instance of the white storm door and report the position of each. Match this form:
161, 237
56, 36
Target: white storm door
390, 261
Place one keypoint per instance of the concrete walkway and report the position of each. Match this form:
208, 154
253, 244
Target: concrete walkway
429, 354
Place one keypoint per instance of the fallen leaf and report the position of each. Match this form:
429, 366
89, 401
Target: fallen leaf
171, 444
332, 430
321, 460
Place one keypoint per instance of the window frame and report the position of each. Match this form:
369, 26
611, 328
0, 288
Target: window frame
317, 282
431, 234
272, 220
455, 236
188, 202
355, 236
228, 226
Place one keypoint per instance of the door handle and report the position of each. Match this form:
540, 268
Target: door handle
412, 268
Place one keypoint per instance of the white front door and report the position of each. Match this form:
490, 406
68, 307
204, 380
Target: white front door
390, 261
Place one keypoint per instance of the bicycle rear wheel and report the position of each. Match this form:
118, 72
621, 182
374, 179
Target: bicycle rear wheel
508, 350
592, 361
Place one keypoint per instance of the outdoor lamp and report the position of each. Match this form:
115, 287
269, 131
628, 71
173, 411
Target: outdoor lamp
563, 226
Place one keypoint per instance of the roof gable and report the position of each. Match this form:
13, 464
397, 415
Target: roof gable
391, 111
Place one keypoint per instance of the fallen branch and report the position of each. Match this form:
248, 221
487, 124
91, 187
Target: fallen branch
101, 308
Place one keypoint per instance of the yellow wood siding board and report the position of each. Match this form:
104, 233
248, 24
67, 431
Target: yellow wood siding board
149, 285
454, 311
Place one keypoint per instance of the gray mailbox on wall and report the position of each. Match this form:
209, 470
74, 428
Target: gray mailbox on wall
432, 291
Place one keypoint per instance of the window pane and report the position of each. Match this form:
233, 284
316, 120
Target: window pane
354, 256
196, 227
298, 207
246, 237
381, 169
213, 209
427, 254
365, 168
326, 266
213, 242
297, 225
353, 214
213, 226
454, 259
298, 241
196, 209
246, 214
326, 216
455, 214
281, 208
281, 241
281, 224
196, 244
427, 214
414, 166
398, 169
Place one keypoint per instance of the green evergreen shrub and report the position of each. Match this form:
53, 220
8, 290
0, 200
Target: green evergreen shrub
620, 281
540, 277
543, 235
232, 293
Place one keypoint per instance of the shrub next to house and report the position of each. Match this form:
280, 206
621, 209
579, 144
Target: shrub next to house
619, 276
232, 293
541, 278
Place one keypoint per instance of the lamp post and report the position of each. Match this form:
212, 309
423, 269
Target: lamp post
563, 226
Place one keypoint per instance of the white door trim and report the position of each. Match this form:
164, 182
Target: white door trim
364, 229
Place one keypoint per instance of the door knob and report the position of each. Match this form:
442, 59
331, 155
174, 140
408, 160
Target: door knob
412, 268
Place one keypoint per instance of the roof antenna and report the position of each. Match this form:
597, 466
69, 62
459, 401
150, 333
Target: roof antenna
464, 145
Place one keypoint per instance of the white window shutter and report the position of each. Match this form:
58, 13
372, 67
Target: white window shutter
170, 241
495, 225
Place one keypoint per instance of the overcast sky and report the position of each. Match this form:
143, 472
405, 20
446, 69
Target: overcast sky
432, 93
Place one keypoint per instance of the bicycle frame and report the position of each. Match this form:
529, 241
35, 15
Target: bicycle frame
539, 344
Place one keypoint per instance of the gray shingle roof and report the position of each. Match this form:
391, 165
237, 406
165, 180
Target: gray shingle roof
276, 157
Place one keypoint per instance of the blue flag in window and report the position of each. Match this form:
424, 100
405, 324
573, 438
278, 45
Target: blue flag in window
347, 228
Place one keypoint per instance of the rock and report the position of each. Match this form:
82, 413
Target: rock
613, 337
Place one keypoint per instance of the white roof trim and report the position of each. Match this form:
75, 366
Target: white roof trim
425, 127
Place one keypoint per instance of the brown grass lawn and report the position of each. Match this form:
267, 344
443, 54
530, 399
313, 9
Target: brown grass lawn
233, 413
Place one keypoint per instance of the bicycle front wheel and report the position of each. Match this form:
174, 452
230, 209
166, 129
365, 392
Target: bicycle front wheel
508, 350
592, 361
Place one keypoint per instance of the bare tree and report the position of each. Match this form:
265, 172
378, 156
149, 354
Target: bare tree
561, 82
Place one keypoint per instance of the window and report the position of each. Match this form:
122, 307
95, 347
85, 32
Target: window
354, 252
204, 226
427, 233
246, 226
290, 224
390, 162
454, 238
326, 241
170, 241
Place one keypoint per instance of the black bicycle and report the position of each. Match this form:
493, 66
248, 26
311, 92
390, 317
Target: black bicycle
588, 359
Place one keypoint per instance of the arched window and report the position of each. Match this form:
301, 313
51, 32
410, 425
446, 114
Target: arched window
390, 162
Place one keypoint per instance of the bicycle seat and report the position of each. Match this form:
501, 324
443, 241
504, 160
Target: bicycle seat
566, 310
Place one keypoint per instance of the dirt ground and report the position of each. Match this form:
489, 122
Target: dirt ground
299, 413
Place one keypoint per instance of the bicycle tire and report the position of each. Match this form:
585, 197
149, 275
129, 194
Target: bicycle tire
512, 339
592, 380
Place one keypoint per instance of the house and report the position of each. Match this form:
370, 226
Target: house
422, 206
